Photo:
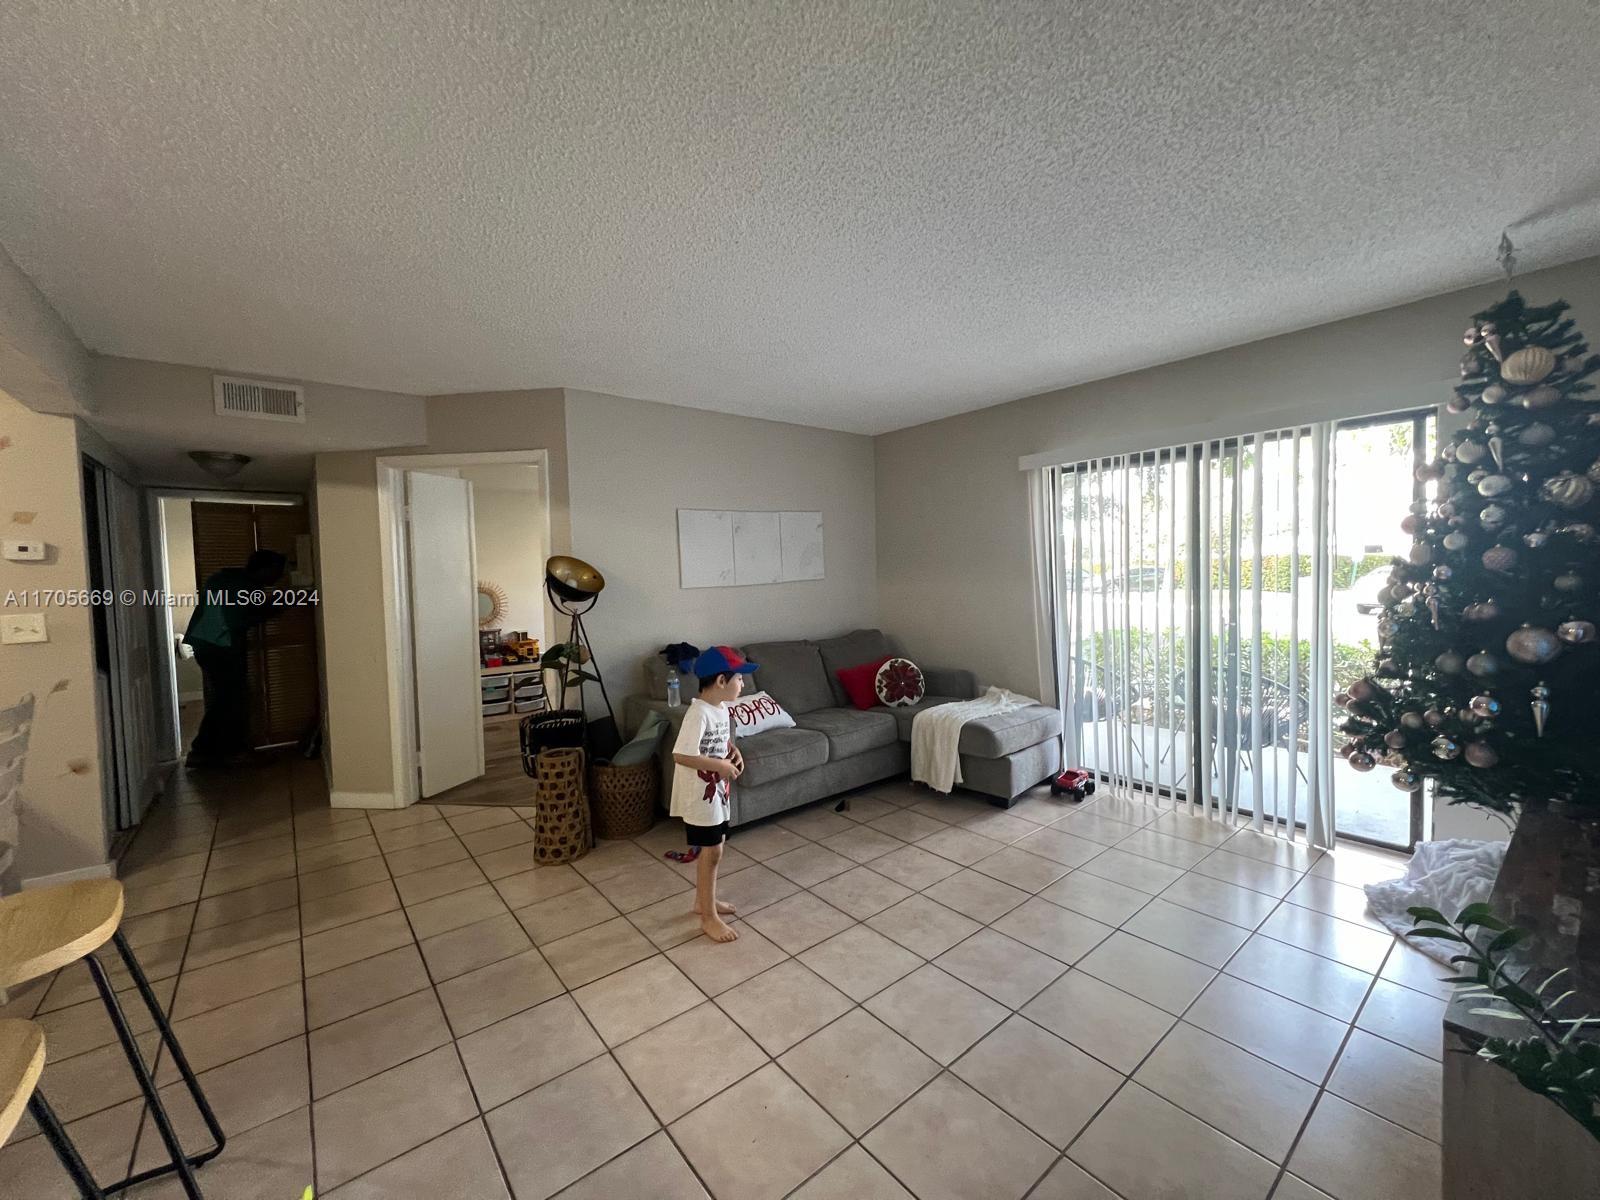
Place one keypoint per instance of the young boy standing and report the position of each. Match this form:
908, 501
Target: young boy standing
707, 764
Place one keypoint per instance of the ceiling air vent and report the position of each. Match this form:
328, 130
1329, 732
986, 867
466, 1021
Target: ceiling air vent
259, 399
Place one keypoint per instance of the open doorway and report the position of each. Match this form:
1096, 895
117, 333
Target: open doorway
466, 539
202, 533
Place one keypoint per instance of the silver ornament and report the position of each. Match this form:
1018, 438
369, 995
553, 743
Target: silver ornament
1362, 761
1533, 645
1411, 720
1499, 558
1442, 572
1494, 394
1484, 705
1528, 365
1450, 662
1481, 755
1470, 452
1489, 610
1492, 516
1567, 582
1581, 530
1494, 485
1394, 739
1405, 779
1576, 633
1540, 707
1471, 336
1536, 434
1497, 448
1483, 664
1477, 475
1433, 717
1419, 554
1455, 541
1458, 403
1593, 472
1427, 472
1540, 397
1567, 490
1411, 523
1444, 748
1535, 539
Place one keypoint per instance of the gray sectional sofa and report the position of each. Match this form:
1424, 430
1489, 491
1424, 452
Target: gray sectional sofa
835, 746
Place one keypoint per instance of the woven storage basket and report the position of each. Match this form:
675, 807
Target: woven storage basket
561, 808
624, 798
546, 731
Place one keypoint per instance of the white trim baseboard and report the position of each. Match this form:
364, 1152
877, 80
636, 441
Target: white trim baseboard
105, 870
364, 800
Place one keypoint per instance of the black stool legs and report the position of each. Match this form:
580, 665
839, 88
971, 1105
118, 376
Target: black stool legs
50, 1126
182, 1164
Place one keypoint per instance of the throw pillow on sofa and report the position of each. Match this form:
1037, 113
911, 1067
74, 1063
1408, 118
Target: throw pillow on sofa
860, 682
898, 683
756, 713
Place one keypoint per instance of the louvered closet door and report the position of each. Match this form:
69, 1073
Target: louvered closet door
283, 651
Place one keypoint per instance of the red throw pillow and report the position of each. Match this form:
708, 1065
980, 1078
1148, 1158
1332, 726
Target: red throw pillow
860, 682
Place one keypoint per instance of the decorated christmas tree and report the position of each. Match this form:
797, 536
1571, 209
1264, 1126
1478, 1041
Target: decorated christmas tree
1488, 673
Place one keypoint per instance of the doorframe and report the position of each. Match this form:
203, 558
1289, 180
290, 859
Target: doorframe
397, 594
174, 748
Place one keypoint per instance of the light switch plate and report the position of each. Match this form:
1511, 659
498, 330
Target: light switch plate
19, 628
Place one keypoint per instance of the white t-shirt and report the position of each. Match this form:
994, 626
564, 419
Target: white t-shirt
701, 797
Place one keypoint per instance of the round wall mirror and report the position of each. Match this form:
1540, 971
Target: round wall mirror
491, 603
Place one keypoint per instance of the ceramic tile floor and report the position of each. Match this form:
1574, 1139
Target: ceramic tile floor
930, 997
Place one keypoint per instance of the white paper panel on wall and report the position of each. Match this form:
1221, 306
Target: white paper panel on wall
726, 549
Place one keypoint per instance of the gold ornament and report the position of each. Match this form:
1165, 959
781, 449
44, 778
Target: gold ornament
1541, 397
1567, 490
1528, 365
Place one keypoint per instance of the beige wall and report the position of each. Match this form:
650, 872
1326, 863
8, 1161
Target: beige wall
42, 363
633, 464
157, 412
953, 556
345, 507
509, 534
63, 826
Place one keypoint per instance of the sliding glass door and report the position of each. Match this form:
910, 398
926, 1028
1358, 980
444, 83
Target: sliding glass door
1210, 603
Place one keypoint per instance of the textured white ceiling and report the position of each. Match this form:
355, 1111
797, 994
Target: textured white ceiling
857, 215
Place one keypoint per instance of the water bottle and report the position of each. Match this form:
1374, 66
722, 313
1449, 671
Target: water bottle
674, 690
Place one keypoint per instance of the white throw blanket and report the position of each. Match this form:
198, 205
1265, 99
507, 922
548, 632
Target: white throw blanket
1447, 876
936, 735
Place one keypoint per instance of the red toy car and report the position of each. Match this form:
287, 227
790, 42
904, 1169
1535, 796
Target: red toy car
1074, 782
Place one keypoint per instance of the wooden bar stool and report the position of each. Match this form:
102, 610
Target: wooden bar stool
21, 1064
49, 928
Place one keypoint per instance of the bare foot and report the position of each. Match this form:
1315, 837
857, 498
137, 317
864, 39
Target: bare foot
717, 929
723, 908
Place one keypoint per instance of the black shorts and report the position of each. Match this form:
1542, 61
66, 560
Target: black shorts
706, 835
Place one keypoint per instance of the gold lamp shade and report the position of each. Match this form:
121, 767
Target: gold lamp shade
573, 579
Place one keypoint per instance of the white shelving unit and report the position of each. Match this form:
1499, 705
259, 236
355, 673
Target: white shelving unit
515, 690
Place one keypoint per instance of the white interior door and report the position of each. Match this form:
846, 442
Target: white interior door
444, 630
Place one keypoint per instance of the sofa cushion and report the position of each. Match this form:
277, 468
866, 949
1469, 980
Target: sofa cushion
850, 731
996, 737
793, 673
904, 714
780, 752
851, 650
988, 737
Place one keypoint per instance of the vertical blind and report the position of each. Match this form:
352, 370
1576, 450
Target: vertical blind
1180, 666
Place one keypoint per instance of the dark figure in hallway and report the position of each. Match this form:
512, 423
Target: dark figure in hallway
230, 604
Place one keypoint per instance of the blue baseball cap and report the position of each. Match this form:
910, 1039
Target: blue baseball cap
722, 660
